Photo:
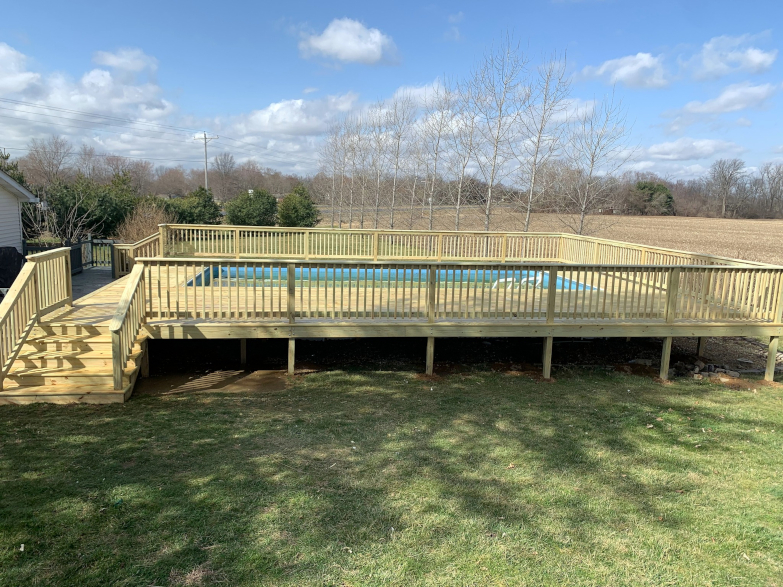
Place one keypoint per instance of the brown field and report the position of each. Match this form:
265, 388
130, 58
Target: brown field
753, 240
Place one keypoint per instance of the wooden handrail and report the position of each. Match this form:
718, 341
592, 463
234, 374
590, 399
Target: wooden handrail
563, 242
385, 262
43, 285
126, 322
269, 289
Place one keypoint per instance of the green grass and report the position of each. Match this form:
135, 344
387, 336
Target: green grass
354, 478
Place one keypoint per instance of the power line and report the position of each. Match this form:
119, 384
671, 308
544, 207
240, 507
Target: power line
85, 113
86, 121
113, 155
98, 129
266, 149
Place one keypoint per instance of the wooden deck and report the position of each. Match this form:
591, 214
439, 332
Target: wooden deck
93, 349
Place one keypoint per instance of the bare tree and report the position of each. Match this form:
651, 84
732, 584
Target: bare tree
462, 141
500, 96
597, 149
725, 177
436, 125
48, 160
329, 158
88, 163
69, 224
377, 144
771, 187
400, 115
224, 169
544, 122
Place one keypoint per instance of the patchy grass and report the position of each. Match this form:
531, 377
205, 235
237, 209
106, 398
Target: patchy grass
355, 478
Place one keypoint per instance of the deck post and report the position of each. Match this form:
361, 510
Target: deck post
701, 346
291, 355
430, 368
236, 243
547, 356
375, 246
145, 358
772, 355
163, 230
243, 351
551, 295
665, 357
68, 280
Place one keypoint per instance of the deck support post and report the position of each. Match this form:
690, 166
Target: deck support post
701, 346
243, 351
665, 357
291, 355
430, 367
772, 354
145, 358
547, 356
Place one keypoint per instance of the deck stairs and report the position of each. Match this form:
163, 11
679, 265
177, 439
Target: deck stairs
68, 359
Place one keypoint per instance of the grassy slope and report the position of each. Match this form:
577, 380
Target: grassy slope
387, 479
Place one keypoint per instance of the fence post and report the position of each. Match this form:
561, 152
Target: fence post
504, 250
375, 246
236, 242
68, 282
551, 294
290, 278
164, 230
306, 235
431, 284
440, 247
37, 294
672, 288
291, 268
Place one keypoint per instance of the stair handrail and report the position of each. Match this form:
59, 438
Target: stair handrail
127, 322
42, 286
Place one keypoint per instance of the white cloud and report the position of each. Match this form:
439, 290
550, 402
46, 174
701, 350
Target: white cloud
348, 40
686, 149
733, 98
778, 149
455, 18
670, 169
724, 55
13, 74
642, 70
126, 59
295, 117
309, 90
453, 34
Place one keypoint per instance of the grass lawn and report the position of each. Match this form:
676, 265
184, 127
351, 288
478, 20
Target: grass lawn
384, 478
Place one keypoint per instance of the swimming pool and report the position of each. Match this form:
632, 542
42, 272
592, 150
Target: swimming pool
497, 278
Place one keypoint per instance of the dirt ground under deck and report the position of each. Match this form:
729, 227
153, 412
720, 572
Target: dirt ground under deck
190, 366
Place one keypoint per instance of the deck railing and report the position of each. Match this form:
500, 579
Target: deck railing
127, 322
125, 254
183, 240
294, 290
43, 285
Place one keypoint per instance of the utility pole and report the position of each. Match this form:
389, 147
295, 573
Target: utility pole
206, 139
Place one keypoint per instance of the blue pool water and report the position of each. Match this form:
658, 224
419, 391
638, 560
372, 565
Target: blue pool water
263, 274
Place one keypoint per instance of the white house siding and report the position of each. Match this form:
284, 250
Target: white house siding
10, 220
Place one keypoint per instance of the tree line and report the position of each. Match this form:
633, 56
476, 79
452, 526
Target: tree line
107, 196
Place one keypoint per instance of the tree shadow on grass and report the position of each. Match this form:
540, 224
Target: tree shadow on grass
337, 477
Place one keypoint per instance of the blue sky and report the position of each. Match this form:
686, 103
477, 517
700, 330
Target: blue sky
700, 80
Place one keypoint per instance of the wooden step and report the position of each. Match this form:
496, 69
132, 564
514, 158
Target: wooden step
62, 376
65, 394
65, 345
69, 330
100, 360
